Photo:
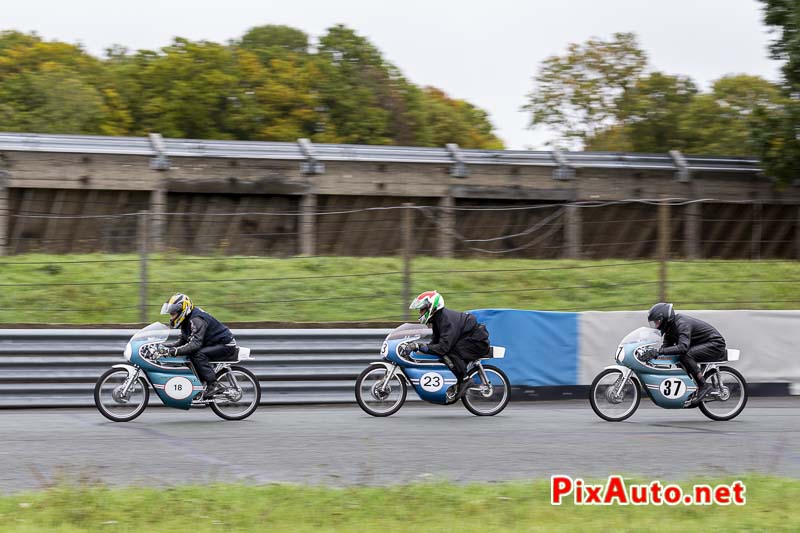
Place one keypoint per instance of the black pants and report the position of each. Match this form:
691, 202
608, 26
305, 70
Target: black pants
201, 358
456, 365
709, 352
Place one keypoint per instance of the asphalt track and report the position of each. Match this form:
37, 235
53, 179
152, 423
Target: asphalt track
340, 445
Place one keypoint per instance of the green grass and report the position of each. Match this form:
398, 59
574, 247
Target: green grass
329, 289
509, 506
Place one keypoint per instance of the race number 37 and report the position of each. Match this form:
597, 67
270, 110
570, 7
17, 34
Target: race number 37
672, 388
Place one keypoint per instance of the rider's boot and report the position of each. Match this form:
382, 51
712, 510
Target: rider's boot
212, 389
702, 392
455, 392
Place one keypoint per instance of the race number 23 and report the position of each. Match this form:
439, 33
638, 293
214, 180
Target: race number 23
672, 388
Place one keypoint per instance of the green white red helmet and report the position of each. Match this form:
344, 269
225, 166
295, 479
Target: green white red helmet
427, 304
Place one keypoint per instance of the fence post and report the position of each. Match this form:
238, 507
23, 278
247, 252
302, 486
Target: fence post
573, 235
143, 236
664, 234
158, 208
4, 216
446, 223
408, 253
307, 233
755, 236
691, 231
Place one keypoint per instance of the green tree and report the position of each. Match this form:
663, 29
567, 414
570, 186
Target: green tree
272, 41
576, 94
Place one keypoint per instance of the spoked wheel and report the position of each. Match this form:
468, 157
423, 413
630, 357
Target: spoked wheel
488, 399
241, 396
728, 397
611, 399
113, 403
376, 397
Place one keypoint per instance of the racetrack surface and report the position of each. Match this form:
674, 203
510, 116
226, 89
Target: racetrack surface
340, 445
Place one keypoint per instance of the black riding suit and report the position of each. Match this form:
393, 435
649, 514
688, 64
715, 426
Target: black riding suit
458, 338
204, 338
693, 340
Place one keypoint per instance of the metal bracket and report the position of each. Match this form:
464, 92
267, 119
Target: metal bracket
563, 171
311, 165
160, 161
682, 174
459, 168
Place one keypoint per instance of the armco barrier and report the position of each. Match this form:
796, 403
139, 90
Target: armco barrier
56, 368
548, 355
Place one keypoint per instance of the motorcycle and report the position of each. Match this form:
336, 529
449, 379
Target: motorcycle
123, 392
382, 387
616, 391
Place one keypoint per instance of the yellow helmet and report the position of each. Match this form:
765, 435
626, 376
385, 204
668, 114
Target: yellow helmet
178, 307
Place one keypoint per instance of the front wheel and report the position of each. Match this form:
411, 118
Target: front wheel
377, 396
241, 396
728, 397
611, 399
116, 404
487, 399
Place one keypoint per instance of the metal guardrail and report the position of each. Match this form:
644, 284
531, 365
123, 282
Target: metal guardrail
89, 144
58, 368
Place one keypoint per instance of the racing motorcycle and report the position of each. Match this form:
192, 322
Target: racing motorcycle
123, 391
382, 387
616, 391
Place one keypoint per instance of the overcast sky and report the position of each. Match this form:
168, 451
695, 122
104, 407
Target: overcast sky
483, 51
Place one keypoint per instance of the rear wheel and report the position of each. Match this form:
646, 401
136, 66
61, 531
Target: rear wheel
728, 397
241, 396
487, 399
376, 397
611, 399
114, 403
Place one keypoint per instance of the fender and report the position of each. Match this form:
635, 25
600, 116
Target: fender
132, 371
625, 369
389, 366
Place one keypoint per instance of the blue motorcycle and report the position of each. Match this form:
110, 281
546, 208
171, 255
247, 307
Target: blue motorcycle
382, 387
616, 391
122, 393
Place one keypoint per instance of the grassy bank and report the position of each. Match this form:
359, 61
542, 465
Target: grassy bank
771, 506
105, 288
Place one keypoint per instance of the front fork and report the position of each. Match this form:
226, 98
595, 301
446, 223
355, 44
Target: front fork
617, 389
387, 378
124, 390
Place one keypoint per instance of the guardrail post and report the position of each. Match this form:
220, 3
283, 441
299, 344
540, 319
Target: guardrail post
308, 225
4, 215
446, 223
143, 236
664, 233
408, 253
573, 232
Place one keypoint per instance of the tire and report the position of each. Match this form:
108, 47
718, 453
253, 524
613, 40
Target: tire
232, 410
371, 404
631, 385
708, 407
104, 399
473, 398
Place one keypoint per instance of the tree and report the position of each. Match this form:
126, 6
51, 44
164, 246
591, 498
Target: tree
271, 42
576, 94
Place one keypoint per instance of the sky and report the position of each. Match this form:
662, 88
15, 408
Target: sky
483, 51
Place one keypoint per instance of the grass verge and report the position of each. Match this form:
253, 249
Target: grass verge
486, 507
93, 288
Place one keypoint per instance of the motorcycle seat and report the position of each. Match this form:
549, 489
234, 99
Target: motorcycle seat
240, 354
495, 352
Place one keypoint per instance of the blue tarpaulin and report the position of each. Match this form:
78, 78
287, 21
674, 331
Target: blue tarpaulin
541, 346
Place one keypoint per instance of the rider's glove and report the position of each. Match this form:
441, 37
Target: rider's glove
408, 348
422, 348
167, 351
648, 354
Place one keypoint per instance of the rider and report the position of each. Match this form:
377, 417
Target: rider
457, 337
203, 338
692, 340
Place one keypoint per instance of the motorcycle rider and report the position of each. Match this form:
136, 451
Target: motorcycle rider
457, 338
689, 338
203, 338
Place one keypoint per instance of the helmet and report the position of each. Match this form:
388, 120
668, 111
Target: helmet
427, 304
660, 316
178, 307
